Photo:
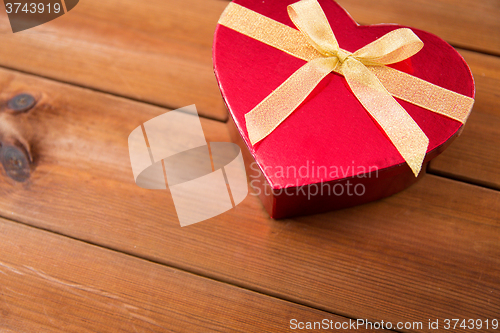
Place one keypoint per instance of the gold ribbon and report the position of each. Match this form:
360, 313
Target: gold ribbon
371, 82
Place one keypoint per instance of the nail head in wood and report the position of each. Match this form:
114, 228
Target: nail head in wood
21, 102
15, 162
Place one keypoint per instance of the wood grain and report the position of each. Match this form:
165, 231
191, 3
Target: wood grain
467, 23
431, 252
156, 51
475, 156
50, 283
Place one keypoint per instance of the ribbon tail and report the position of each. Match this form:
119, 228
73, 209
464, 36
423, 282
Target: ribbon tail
402, 130
275, 108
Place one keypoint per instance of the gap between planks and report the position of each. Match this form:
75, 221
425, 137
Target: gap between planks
192, 273
166, 107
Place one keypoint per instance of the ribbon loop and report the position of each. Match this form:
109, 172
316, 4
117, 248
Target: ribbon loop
309, 18
395, 46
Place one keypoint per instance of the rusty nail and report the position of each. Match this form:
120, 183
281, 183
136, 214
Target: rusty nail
15, 162
21, 102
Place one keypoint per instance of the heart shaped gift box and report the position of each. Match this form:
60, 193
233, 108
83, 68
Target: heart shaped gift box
330, 151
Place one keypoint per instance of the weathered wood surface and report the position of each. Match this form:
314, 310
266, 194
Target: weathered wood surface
155, 51
50, 283
429, 252
475, 156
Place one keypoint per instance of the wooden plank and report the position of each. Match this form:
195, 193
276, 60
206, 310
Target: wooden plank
156, 51
469, 24
475, 156
431, 252
50, 283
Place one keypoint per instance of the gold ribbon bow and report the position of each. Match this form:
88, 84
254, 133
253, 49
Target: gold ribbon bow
371, 82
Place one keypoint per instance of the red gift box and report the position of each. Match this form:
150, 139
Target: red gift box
329, 153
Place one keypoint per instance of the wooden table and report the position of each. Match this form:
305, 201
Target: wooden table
83, 249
